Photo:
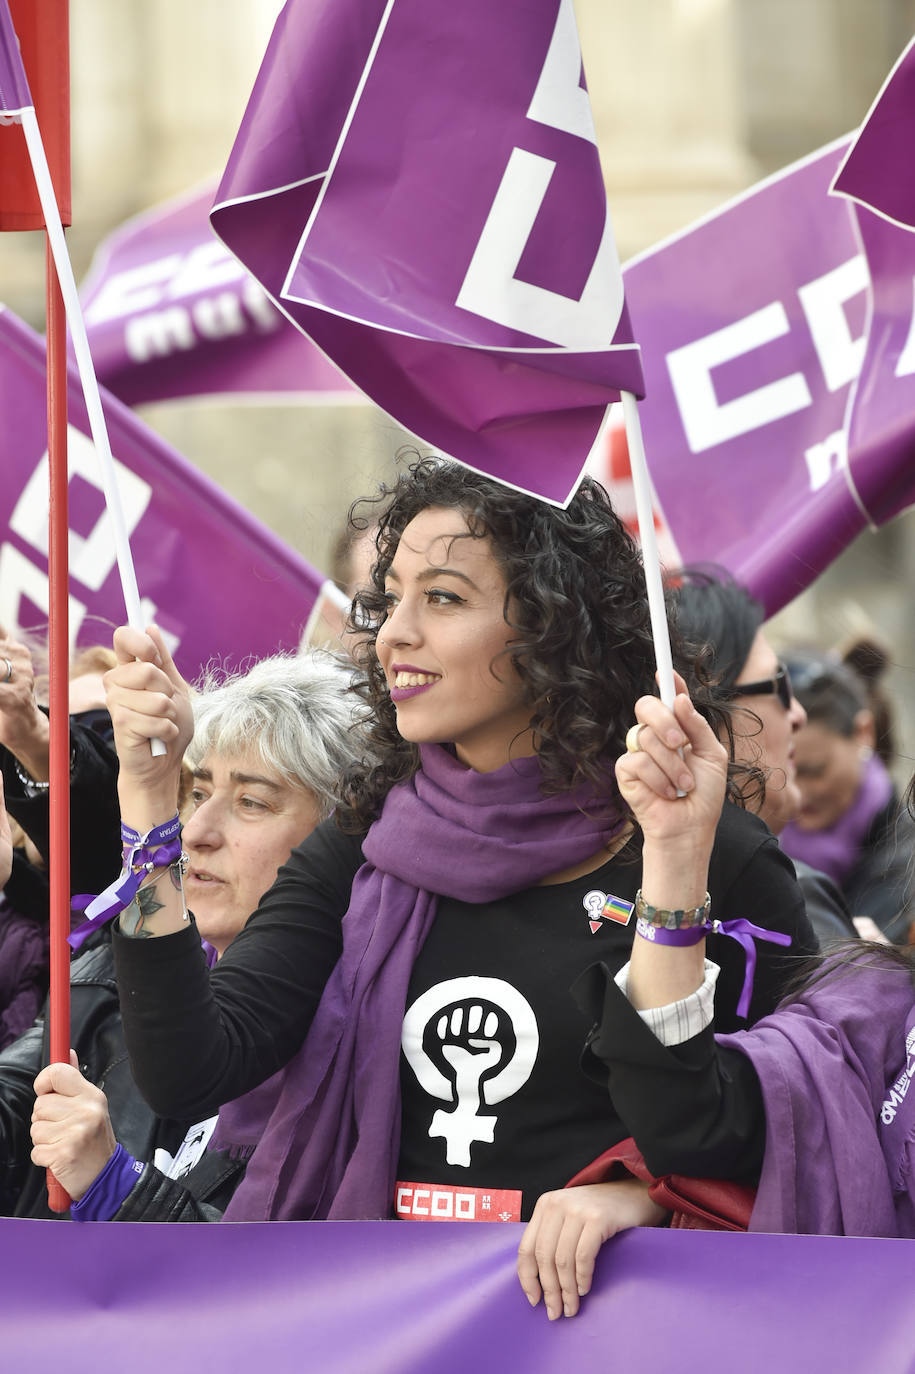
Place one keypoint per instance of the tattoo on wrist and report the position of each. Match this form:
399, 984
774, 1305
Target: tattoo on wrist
146, 903
134, 917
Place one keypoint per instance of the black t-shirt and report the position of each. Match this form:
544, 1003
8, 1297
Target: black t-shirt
493, 1095
493, 1034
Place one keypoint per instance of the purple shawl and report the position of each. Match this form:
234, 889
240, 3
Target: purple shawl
330, 1146
840, 1106
23, 971
835, 851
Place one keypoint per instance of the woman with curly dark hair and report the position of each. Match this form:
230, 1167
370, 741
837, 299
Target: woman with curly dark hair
425, 942
552, 570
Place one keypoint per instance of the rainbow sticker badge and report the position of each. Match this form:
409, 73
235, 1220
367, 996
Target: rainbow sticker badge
603, 906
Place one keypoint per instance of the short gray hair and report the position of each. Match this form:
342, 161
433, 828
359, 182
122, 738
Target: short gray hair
295, 711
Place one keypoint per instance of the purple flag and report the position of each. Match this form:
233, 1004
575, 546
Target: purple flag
406, 1298
221, 585
877, 171
754, 325
877, 176
418, 184
171, 313
14, 87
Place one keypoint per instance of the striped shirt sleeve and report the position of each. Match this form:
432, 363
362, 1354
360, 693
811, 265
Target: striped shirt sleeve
679, 1021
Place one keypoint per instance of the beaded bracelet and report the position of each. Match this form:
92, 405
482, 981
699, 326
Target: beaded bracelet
32, 786
744, 932
35, 787
677, 918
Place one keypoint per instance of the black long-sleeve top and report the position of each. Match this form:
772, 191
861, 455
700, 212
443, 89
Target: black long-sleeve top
200, 1039
95, 819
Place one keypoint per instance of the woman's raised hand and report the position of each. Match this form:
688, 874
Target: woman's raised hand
147, 699
562, 1239
671, 753
23, 727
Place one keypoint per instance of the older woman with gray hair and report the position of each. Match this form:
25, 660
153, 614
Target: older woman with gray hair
270, 750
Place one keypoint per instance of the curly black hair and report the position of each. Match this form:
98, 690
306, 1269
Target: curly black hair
575, 598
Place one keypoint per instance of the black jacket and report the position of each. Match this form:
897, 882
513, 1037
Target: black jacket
95, 858
95, 820
827, 910
880, 885
202, 1196
97, 1037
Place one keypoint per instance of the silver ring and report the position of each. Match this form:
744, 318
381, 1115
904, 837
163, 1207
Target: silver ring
9, 671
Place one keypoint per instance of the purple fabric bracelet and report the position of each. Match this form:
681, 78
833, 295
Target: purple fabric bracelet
109, 1188
744, 932
158, 848
660, 935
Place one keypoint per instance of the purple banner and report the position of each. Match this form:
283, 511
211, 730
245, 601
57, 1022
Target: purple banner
877, 171
14, 87
418, 183
171, 313
753, 324
221, 586
407, 1298
876, 174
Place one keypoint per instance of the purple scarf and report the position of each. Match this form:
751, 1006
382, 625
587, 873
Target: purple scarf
835, 851
840, 1106
331, 1144
23, 971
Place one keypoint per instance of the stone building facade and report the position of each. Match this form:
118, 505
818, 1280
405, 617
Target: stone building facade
693, 100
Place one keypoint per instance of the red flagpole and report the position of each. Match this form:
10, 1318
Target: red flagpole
59, 645
43, 29
43, 32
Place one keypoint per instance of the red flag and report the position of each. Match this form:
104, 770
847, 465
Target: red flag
42, 27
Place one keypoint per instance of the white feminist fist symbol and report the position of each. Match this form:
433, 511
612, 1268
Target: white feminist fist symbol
460, 1019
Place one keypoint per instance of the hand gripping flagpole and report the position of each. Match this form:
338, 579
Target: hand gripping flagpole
651, 560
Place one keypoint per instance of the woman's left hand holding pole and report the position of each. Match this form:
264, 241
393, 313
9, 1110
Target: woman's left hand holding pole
148, 699
71, 1128
673, 777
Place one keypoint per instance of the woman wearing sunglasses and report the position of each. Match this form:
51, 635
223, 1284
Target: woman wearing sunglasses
814, 1103
723, 622
849, 822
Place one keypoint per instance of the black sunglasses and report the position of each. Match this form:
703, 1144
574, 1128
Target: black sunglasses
780, 686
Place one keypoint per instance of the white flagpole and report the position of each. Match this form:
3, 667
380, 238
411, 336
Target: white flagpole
650, 556
87, 375
329, 591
